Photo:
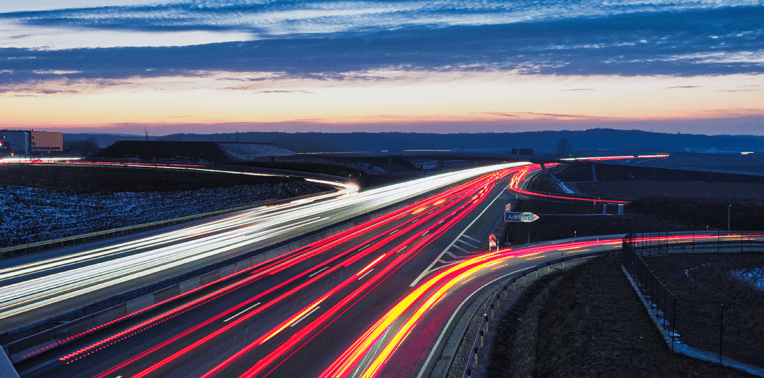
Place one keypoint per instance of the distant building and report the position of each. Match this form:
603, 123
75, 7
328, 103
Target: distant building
31, 142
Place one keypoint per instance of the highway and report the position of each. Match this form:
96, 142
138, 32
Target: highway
290, 309
35, 286
375, 300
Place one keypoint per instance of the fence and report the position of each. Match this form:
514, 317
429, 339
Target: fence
661, 301
708, 330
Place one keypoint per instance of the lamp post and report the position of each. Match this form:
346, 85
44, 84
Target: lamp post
729, 207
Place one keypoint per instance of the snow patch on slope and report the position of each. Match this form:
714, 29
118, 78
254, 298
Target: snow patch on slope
29, 215
752, 276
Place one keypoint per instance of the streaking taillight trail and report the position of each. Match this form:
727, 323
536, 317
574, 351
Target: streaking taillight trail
403, 318
445, 200
517, 179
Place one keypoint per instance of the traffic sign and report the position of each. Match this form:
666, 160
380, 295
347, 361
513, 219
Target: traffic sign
520, 217
492, 242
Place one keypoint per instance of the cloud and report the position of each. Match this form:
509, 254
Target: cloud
555, 115
259, 89
508, 115
627, 44
271, 18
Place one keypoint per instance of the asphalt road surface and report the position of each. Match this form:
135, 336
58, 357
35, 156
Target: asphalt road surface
36, 286
294, 315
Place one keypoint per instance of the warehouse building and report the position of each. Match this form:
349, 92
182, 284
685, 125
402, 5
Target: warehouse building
31, 142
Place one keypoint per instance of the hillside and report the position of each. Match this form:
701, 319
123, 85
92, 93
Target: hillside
543, 141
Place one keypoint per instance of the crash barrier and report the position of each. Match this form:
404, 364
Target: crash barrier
490, 308
665, 307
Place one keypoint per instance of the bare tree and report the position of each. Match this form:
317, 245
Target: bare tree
89, 146
564, 146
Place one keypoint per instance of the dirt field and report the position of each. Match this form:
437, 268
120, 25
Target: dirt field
588, 322
638, 189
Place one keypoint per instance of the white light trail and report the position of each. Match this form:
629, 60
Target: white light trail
42, 283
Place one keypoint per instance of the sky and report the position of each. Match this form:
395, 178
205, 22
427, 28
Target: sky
213, 66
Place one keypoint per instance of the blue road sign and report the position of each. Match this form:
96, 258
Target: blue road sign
520, 217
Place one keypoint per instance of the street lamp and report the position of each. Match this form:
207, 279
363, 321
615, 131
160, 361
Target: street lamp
729, 207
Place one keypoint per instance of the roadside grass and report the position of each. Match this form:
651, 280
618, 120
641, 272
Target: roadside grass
587, 322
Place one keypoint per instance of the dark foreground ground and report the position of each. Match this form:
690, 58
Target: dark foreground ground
587, 322
704, 282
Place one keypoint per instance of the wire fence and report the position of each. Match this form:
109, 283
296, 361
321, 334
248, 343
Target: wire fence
703, 321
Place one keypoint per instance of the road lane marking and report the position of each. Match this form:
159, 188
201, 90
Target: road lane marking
467, 243
364, 275
447, 264
304, 316
365, 361
471, 238
461, 249
427, 270
242, 311
451, 254
318, 271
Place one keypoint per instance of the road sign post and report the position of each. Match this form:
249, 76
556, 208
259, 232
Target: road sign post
526, 217
492, 242
520, 217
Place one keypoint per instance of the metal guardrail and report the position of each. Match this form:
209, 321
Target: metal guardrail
489, 309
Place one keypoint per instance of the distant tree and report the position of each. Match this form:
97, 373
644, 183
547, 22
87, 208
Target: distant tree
564, 146
89, 146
